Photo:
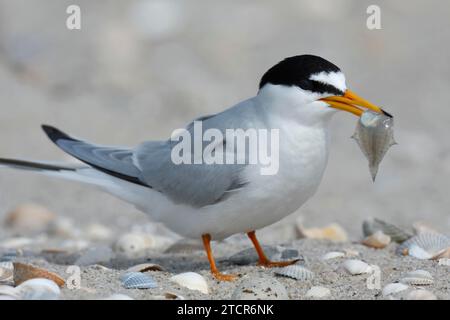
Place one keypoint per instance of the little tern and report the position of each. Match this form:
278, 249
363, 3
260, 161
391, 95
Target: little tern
297, 96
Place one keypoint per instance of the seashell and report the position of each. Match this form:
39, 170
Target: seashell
132, 244
29, 218
378, 240
173, 296
137, 280
145, 267
351, 252
418, 278
374, 134
249, 256
98, 232
393, 288
95, 255
371, 226
421, 294
444, 262
318, 292
118, 296
427, 245
333, 232
9, 291
296, 272
5, 297
38, 289
333, 255
24, 272
259, 288
192, 281
6, 272
356, 267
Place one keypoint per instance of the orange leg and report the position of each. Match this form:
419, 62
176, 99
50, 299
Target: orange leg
215, 272
263, 260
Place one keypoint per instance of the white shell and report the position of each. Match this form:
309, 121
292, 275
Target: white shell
418, 277
192, 281
421, 294
295, 271
355, 267
426, 245
38, 289
318, 292
6, 271
134, 243
137, 280
378, 240
333, 255
393, 288
9, 291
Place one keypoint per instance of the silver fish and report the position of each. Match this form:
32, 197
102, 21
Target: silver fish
375, 135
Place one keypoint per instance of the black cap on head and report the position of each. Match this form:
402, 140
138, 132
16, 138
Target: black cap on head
297, 70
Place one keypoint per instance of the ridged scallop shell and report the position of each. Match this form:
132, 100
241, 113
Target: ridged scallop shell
318, 292
38, 289
418, 278
393, 288
296, 272
192, 281
427, 245
371, 226
137, 280
378, 240
333, 255
356, 267
24, 272
374, 134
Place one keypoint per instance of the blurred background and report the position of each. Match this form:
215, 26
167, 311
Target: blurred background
139, 69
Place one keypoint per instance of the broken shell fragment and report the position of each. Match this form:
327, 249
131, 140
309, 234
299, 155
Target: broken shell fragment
145, 267
356, 267
192, 281
24, 272
137, 280
378, 240
318, 292
427, 245
333, 232
296, 272
372, 225
418, 278
393, 288
374, 134
333, 255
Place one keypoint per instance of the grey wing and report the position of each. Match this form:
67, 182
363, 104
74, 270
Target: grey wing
115, 161
196, 185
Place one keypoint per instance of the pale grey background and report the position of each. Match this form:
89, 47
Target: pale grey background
139, 69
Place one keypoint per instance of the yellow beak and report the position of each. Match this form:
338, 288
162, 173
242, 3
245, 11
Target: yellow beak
350, 102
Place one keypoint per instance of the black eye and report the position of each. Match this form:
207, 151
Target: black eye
306, 84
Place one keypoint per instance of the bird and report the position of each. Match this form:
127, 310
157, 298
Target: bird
298, 97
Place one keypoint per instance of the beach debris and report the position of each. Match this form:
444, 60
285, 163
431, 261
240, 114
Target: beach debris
137, 280
132, 244
173, 296
318, 292
29, 218
145, 267
249, 255
296, 272
333, 255
418, 278
259, 288
95, 255
192, 281
421, 294
356, 267
378, 240
24, 272
349, 252
332, 232
38, 289
373, 225
374, 134
393, 288
426, 245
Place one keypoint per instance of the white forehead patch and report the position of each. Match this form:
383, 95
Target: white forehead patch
336, 79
